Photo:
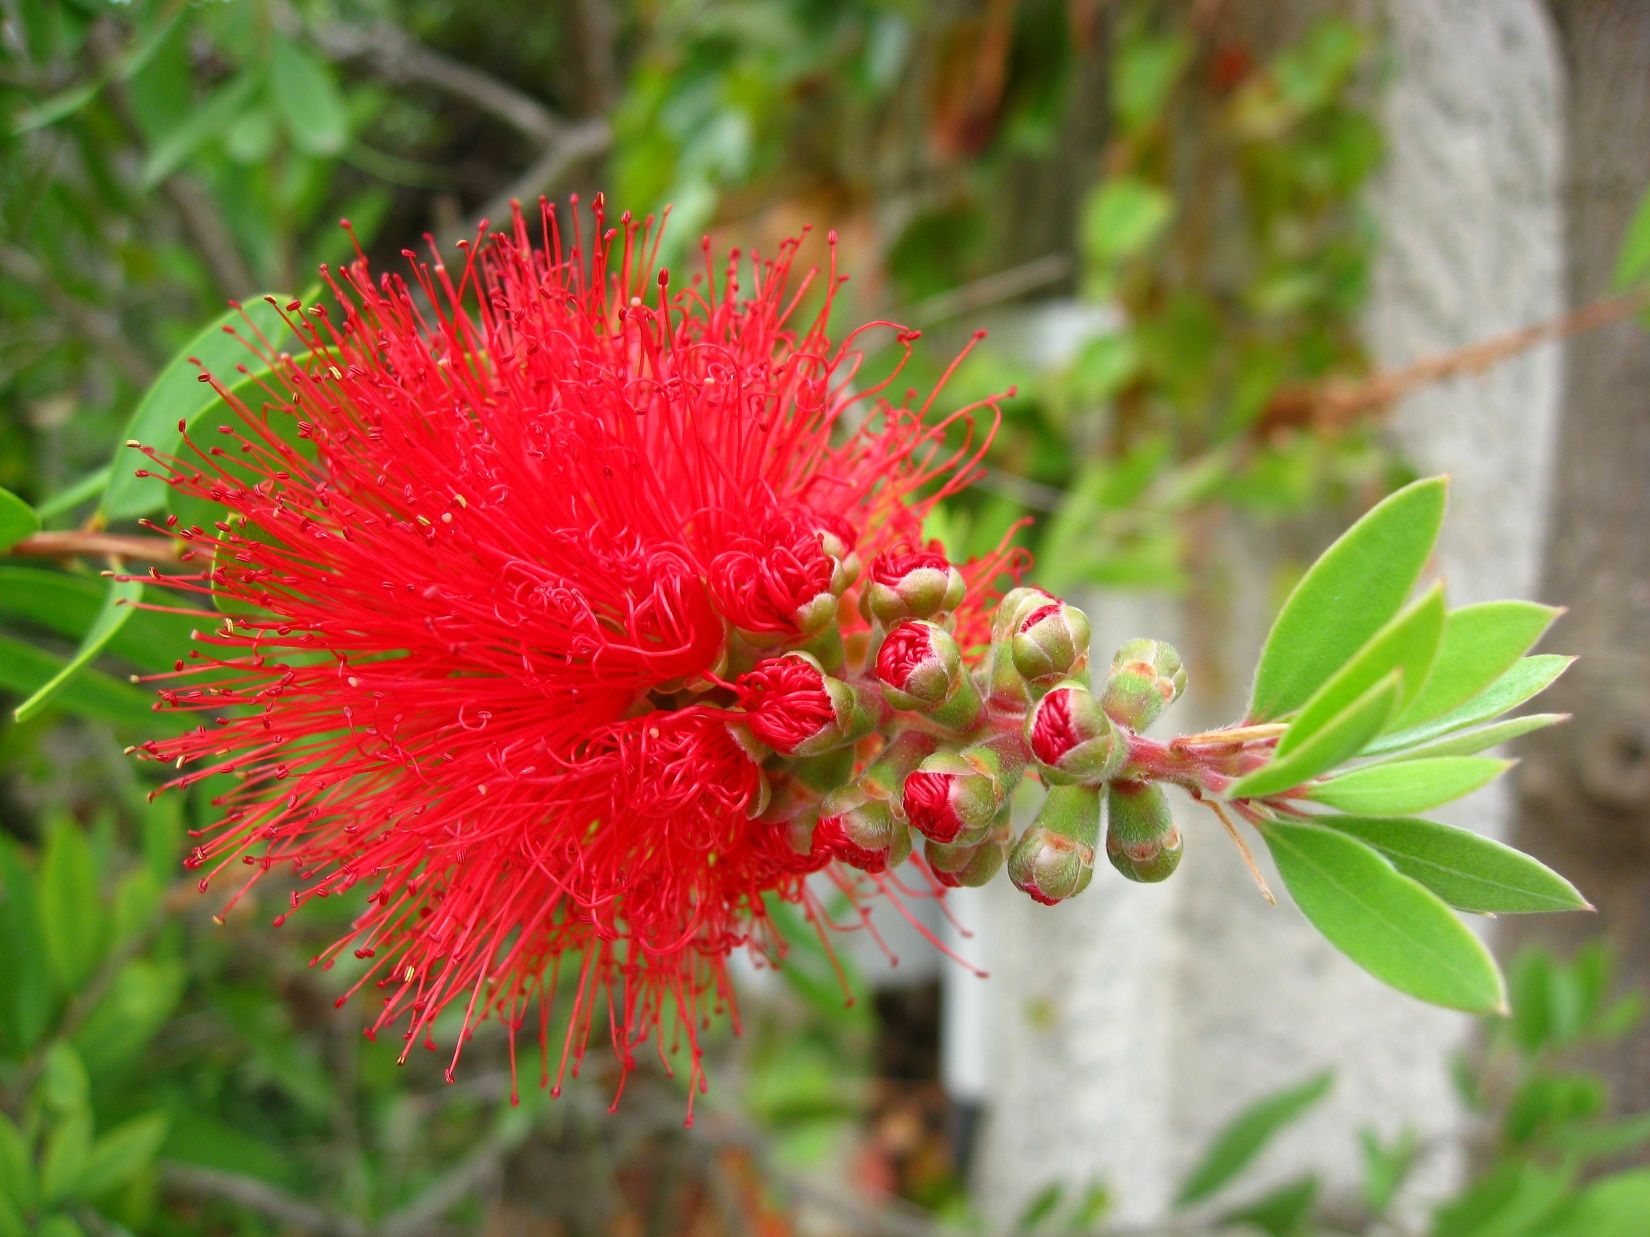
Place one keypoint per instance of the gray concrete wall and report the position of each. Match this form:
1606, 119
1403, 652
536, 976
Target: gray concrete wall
1125, 1028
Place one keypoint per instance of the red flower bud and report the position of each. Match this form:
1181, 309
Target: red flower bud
949, 800
919, 584
921, 670
798, 710
1071, 737
1051, 643
861, 831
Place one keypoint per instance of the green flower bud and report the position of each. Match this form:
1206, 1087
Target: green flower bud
1071, 737
1051, 643
1142, 840
1054, 858
1147, 676
974, 865
1008, 686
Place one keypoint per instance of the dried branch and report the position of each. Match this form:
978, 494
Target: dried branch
81, 543
576, 143
458, 1183
1335, 404
1002, 286
267, 1200
397, 57
206, 227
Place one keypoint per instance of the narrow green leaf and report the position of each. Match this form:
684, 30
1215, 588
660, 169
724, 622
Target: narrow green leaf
1468, 742
117, 609
68, 102
1614, 1206
1346, 597
1403, 786
66, 500
67, 604
179, 395
1247, 1134
11, 1219
1633, 259
1339, 739
17, 520
1467, 870
121, 1154
67, 1148
1528, 677
310, 104
91, 694
28, 996
1278, 1213
210, 120
1408, 644
16, 1165
1123, 216
1479, 645
72, 910
1390, 925
1508, 1201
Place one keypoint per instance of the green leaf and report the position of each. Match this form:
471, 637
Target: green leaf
129, 1015
68, 1147
65, 1084
1386, 1167
67, 604
180, 395
16, 1165
27, 992
1508, 1201
66, 103
1633, 259
117, 609
72, 910
17, 520
66, 500
1528, 677
1479, 644
1469, 742
1247, 1134
1402, 786
310, 104
1470, 872
1281, 1212
11, 1220
1390, 925
1616, 1206
1407, 644
1339, 739
1348, 595
92, 694
1123, 216
1605, 1139
121, 1154
210, 120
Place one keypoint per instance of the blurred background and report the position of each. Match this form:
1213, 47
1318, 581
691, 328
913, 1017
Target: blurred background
1245, 264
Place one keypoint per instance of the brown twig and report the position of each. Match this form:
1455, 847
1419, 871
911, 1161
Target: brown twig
572, 146
81, 543
1243, 849
270, 1201
1334, 404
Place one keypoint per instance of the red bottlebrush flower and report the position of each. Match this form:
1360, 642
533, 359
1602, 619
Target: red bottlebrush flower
477, 616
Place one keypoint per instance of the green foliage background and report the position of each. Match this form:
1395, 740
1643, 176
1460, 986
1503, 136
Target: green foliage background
1191, 194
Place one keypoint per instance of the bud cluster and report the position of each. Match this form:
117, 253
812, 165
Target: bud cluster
873, 736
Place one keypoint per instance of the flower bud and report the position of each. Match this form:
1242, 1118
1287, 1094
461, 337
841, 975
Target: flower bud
920, 584
861, 831
1071, 737
1142, 840
956, 866
1051, 643
921, 670
1146, 677
798, 710
1054, 858
950, 800
1008, 685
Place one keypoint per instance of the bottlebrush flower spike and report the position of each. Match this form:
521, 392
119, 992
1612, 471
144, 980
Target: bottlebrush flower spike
483, 621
